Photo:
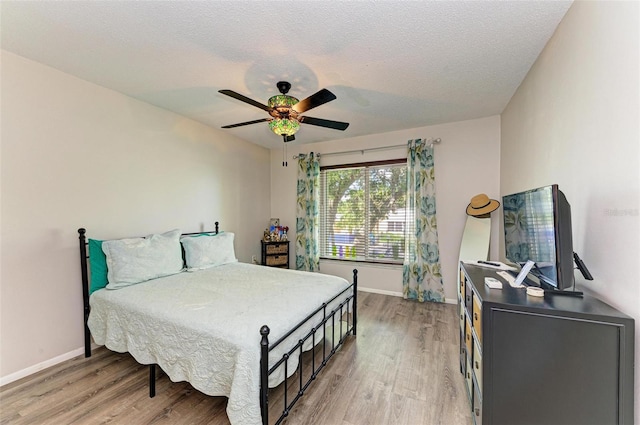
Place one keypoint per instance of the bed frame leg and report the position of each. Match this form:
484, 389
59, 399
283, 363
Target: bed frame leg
264, 374
152, 380
355, 301
85, 289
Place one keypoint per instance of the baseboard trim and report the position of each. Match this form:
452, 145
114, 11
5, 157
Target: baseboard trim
380, 291
399, 294
4, 380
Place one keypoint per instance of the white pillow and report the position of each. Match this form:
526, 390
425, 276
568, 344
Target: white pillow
136, 260
204, 251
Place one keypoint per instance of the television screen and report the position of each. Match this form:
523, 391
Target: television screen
537, 227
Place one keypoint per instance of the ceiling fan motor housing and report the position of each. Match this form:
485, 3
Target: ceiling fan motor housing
284, 86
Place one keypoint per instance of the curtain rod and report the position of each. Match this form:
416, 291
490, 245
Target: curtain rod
362, 151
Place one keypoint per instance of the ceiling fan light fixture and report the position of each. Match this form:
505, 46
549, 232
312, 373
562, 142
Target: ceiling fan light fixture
282, 102
284, 126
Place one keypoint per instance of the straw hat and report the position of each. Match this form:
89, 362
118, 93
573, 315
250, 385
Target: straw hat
481, 205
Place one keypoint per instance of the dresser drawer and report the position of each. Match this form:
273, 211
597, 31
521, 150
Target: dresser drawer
477, 364
468, 298
468, 338
477, 317
277, 260
468, 376
477, 406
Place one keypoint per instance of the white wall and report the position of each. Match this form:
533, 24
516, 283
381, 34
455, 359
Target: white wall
466, 163
574, 121
75, 154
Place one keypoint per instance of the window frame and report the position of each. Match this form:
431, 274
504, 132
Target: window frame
322, 231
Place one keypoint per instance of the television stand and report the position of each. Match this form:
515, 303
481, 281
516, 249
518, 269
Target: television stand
552, 360
565, 293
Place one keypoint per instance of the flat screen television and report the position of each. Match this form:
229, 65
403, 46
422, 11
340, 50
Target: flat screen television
537, 227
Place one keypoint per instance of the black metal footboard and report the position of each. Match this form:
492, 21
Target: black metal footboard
316, 366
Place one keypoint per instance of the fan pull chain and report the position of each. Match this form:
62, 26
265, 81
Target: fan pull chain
284, 151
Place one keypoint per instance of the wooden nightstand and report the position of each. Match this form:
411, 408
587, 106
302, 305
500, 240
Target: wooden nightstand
275, 254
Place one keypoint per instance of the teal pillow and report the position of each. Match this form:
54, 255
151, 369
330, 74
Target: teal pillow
98, 265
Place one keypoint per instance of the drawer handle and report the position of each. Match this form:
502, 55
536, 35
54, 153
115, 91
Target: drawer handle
477, 366
475, 316
468, 337
468, 375
461, 316
477, 411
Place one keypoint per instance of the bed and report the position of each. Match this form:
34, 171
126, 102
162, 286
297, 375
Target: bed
231, 329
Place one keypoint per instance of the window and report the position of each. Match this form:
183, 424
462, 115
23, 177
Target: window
363, 211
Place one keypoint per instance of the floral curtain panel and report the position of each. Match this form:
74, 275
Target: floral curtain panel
421, 273
308, 198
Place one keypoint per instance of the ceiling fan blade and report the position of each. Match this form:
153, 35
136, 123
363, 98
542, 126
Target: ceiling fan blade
245, 99
247, 123
315, 100
336, 125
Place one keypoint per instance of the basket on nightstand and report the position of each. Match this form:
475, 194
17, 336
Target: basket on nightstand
275, 254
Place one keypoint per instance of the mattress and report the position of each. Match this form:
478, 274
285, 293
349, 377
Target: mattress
203, 327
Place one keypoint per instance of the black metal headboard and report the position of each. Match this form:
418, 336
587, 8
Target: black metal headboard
84, 259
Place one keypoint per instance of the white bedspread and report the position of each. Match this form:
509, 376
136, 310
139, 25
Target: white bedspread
203, 327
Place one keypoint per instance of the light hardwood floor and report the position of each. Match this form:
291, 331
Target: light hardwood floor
402, 368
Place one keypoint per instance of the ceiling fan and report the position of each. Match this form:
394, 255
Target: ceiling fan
285, 111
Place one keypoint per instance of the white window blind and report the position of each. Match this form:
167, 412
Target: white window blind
362, 212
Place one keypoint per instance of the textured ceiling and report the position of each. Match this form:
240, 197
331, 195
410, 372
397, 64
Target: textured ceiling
392, 65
